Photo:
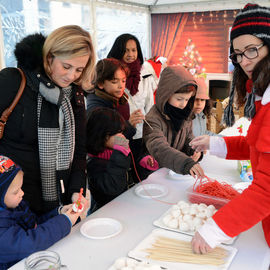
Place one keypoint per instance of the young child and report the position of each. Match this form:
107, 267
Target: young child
21, 231
108, 164
170, 118
250, 54
110, 83
109, 87
201, 109
139, 85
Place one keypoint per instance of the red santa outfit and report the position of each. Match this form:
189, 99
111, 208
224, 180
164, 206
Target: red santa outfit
253, 205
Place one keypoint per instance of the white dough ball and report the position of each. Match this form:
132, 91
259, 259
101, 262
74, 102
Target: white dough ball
180, 219
183, 204
187, 217
175, 213
201, 208
166, 219
175, 207
201, 215
193, 211
197, 221
173, 223
185, 210
119, 263
209, 212
211, 206
203, 205
191, 225
183, 226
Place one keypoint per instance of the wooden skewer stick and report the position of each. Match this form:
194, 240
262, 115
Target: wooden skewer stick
172, 250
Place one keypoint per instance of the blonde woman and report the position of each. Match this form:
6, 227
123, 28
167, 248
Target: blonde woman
45, 134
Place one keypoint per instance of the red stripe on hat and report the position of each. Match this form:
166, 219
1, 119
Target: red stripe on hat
253, 19
251, 24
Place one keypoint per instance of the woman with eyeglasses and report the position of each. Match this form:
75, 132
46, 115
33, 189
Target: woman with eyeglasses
250, 45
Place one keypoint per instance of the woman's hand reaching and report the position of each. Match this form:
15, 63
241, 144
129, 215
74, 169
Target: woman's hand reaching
200, 143
199, 245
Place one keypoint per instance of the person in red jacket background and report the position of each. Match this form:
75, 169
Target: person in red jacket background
250, 45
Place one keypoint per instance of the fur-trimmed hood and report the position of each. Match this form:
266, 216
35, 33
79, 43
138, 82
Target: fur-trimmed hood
28, 52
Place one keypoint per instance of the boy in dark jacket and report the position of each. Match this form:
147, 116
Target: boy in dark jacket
21, 231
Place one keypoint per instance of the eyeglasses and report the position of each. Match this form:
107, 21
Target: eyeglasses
249, 53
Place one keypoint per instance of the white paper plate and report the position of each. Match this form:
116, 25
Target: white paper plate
176, 176
240, 187
101, 228
159, 223
149, 191
139, 253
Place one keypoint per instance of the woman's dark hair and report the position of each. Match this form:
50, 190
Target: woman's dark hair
260, 78
106, 68
119, 47
101, 123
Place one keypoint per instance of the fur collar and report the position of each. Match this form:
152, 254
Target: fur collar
28, 52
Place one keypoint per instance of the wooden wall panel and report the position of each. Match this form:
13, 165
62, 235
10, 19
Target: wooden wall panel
209, 33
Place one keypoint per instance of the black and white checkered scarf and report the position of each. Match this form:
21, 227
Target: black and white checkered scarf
56, 145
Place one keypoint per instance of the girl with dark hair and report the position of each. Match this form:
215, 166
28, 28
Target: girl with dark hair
108, 91
108, 156
140, 82
250, 45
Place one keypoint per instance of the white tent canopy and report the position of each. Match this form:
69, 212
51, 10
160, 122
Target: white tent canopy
173, 6
132, 16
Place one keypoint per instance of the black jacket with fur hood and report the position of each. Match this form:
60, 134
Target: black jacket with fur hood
20, 140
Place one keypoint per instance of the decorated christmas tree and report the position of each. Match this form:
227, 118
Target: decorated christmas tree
192, 59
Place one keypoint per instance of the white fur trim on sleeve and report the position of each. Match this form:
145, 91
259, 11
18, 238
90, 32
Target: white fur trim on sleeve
218, 147
212, 234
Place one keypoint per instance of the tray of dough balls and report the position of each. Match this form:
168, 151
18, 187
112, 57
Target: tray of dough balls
186, 218
125, 263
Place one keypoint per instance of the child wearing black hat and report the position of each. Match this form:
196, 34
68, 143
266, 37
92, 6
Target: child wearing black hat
21, 231
250, 47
